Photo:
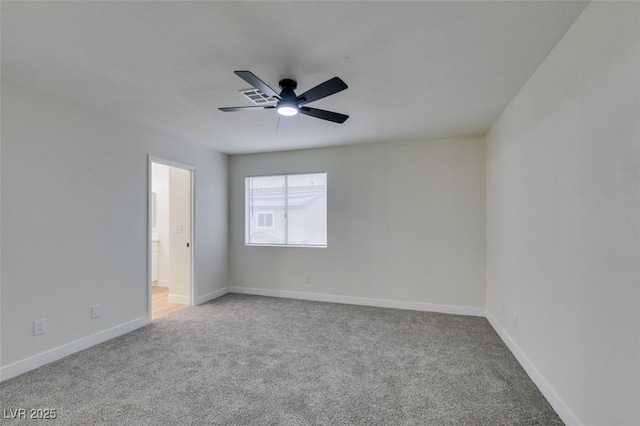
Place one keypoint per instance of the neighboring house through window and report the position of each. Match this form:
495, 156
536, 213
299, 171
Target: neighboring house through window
265, 220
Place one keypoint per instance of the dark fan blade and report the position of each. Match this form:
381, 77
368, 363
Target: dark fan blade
323, 90
254, 81
325, 115
246, 108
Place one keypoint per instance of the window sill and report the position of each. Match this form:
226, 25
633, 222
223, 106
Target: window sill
284, 245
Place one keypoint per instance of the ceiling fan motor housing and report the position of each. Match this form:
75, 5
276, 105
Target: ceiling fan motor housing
287, 83
288, 95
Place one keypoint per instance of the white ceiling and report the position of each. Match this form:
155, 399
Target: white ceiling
414, 69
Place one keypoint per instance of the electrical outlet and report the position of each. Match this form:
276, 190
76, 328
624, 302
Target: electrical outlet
96, 311
39, 327
307, 278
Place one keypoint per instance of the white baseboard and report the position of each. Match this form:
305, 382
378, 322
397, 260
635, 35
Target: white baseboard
33, 362
213, 295
350, 300
565, 413
163, 283
177, 298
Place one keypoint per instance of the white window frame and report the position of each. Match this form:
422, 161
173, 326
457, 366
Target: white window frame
286, 215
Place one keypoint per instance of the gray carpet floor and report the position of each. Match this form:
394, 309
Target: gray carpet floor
259, 360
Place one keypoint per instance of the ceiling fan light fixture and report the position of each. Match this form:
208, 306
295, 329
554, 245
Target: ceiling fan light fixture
287, 110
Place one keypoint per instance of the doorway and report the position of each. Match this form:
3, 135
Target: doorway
171, 224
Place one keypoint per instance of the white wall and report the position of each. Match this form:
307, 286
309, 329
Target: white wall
74, 219
405, 222
563, 218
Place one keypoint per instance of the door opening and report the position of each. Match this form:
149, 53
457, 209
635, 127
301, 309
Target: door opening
170, 266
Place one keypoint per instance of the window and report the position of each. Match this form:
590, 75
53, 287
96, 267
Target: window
286, 210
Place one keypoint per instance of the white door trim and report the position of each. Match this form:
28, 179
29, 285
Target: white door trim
192, 246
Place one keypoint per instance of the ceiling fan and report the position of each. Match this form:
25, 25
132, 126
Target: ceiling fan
288, 104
